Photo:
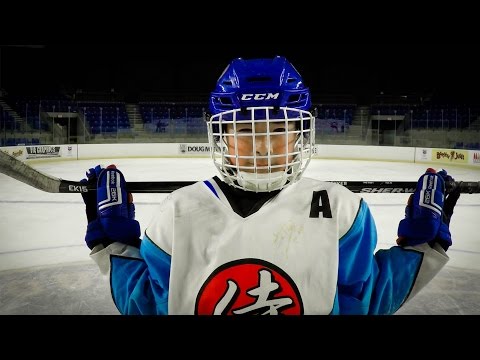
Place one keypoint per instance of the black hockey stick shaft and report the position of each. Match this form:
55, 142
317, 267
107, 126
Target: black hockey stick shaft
372, 187
17, 169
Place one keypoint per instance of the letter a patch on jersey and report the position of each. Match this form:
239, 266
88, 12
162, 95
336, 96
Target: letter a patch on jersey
320, 204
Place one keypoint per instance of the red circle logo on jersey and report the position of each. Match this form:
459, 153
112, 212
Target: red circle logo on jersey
249, 286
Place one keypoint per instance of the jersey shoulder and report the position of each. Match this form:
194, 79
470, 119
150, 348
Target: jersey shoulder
345, 205
176, 205
333, 188
189, 198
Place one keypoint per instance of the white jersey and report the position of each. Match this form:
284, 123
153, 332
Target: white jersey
307, 250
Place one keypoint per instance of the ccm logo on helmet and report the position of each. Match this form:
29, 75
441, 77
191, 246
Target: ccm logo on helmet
264, 96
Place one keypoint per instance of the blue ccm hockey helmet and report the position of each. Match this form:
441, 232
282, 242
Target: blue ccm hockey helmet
259, 82
260, 91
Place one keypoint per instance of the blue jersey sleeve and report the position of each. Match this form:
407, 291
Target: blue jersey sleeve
368, 283
140, 286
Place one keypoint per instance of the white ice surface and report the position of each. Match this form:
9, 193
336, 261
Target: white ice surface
41, 229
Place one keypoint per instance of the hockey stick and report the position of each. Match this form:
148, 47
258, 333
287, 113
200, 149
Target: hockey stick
20, 171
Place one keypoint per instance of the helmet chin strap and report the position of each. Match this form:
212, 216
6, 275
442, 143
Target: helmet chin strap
262, 182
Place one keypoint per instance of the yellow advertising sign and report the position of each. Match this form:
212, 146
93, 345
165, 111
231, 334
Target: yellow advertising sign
451, 156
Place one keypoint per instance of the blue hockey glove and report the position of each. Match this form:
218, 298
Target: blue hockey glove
110, 211
428, 212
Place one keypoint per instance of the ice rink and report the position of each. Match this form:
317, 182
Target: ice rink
45, 266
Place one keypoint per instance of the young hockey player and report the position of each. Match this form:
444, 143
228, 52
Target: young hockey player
262, 238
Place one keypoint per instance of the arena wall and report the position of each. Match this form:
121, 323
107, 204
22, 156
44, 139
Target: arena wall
156, 150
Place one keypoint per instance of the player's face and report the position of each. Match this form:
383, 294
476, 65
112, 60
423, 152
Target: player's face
261, 146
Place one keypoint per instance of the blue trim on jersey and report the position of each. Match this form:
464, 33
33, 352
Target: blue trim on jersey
367, 284
210, 186
398, 271
140, 286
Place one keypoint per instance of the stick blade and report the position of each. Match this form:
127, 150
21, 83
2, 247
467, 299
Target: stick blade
20, 171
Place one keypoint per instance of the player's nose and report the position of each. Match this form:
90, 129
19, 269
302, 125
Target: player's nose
262, 145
